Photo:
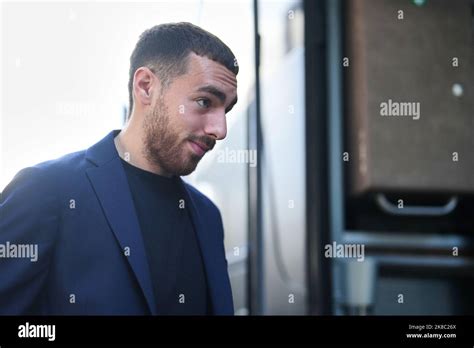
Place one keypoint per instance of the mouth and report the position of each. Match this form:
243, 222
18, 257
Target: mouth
199, 149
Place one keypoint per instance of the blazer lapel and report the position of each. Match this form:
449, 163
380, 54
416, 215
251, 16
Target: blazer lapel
212, 253
111, 187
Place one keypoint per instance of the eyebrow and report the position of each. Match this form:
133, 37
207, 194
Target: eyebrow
219, 94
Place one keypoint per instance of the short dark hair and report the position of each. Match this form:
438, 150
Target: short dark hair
165, 48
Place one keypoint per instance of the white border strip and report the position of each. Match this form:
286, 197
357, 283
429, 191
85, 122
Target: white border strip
2, 178
102, 1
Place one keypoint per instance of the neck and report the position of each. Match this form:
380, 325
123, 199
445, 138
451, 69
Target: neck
130, 147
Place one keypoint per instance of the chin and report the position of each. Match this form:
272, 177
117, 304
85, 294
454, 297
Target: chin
186, 168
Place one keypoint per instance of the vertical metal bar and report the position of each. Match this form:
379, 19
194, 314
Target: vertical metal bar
255, 279
335, 100
317, 209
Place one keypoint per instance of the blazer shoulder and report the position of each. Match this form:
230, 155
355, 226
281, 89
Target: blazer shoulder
43, 179
66, 163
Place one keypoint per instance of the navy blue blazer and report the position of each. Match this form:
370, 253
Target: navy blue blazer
91, 259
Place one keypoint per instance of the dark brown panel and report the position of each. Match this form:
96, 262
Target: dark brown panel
410, 60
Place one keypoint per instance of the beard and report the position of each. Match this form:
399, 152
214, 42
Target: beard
164, 147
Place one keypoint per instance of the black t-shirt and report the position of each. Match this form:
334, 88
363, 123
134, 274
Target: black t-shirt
173, 252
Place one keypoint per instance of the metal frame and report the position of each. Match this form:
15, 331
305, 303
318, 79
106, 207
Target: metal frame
317, 193
255, 228
404, 244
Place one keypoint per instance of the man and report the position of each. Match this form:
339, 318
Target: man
115, 229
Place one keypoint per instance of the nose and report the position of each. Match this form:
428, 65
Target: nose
216, 125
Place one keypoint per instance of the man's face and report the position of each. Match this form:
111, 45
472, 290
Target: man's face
190, 115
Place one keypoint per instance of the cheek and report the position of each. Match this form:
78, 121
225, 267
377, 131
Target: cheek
183, 123
191, 116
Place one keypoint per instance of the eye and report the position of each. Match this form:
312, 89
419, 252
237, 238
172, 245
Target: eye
204, 103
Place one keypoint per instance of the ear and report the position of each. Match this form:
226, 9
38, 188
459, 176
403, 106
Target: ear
145, 85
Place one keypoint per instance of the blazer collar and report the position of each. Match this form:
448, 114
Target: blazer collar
104, 150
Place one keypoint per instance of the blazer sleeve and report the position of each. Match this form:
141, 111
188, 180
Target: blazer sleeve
28, 228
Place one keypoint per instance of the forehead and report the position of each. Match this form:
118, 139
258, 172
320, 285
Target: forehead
204, 71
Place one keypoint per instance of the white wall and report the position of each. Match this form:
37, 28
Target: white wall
64, 68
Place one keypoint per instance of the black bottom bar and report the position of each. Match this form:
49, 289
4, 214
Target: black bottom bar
415, 330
